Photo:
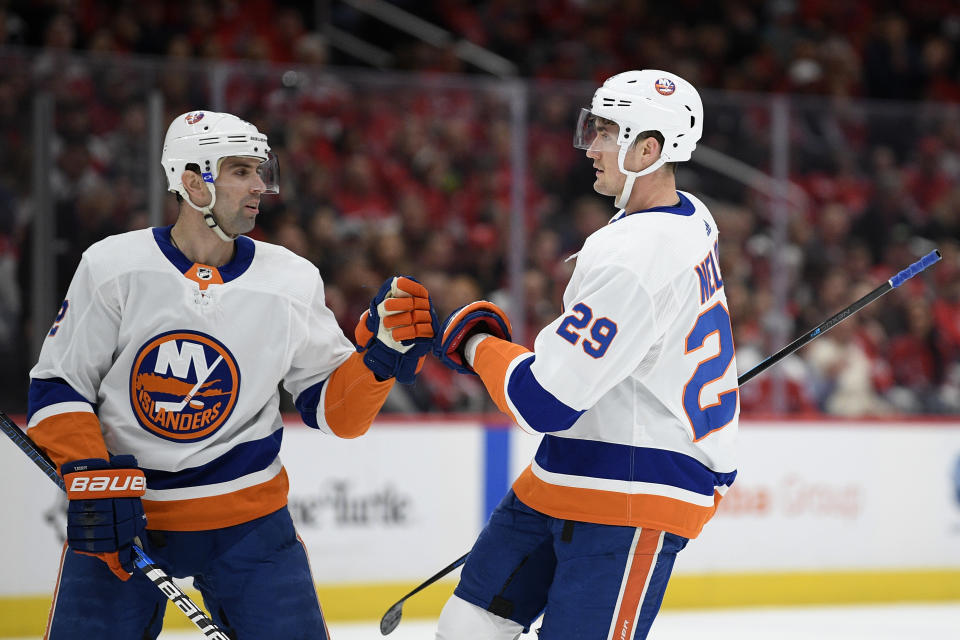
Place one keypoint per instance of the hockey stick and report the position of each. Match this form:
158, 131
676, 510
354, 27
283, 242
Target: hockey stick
839, 317
391, 618
143, 562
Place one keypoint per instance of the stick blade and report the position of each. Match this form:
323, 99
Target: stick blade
391, 619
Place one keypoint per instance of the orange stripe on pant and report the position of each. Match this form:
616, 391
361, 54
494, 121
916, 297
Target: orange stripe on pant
313, 581
611, 507
640, 566
56, 592
215, 512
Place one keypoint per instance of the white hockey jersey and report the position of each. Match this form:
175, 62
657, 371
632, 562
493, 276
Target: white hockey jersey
635, 384
178, 364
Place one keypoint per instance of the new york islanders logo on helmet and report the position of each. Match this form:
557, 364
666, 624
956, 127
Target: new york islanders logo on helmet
183, 385
194, 117
664, 86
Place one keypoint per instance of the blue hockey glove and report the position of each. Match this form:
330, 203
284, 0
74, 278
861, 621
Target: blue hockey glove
396, 332
477, 317
105, 512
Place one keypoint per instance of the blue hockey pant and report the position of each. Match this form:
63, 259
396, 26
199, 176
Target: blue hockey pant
591, 581
254, 578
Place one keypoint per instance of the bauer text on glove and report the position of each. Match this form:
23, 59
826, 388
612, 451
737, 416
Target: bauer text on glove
105, 514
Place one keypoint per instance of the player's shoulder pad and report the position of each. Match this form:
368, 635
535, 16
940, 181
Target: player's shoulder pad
654, 245
120, 253
706, 220
631, 240
281, 271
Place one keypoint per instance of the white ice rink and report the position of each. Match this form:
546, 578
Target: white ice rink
881, 622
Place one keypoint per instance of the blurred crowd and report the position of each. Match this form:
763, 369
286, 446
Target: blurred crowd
867, 48
413, 173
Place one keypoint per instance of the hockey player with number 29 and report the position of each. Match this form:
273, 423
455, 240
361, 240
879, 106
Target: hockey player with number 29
156, 394
634, 388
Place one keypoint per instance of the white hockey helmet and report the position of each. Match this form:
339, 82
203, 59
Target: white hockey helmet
645, 100
204, 138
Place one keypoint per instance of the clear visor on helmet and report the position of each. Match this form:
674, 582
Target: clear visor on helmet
594, 132
269, 171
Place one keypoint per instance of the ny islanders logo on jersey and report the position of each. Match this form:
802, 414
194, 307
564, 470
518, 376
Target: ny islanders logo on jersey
183, 385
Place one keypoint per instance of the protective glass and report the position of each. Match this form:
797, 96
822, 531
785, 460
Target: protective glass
594, 132
269, 171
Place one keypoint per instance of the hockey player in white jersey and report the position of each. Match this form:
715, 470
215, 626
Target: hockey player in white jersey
160, 375
634, 388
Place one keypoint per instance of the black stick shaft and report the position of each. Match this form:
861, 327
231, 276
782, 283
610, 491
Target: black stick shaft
842, 315
816, 332
155, 574
439, 574
25, 444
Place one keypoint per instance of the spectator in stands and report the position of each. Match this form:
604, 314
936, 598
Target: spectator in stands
437, 164
918, 369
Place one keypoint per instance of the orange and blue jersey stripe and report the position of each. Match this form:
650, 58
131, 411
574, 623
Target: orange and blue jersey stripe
622, 485
626, 463
504, 368
218, 510
62, 422
538, 408
619, 508
246, 482
351, 398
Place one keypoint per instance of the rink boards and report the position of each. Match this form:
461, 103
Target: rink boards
821, 512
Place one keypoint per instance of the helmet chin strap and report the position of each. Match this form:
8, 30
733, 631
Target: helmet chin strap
207, 212
624, 197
